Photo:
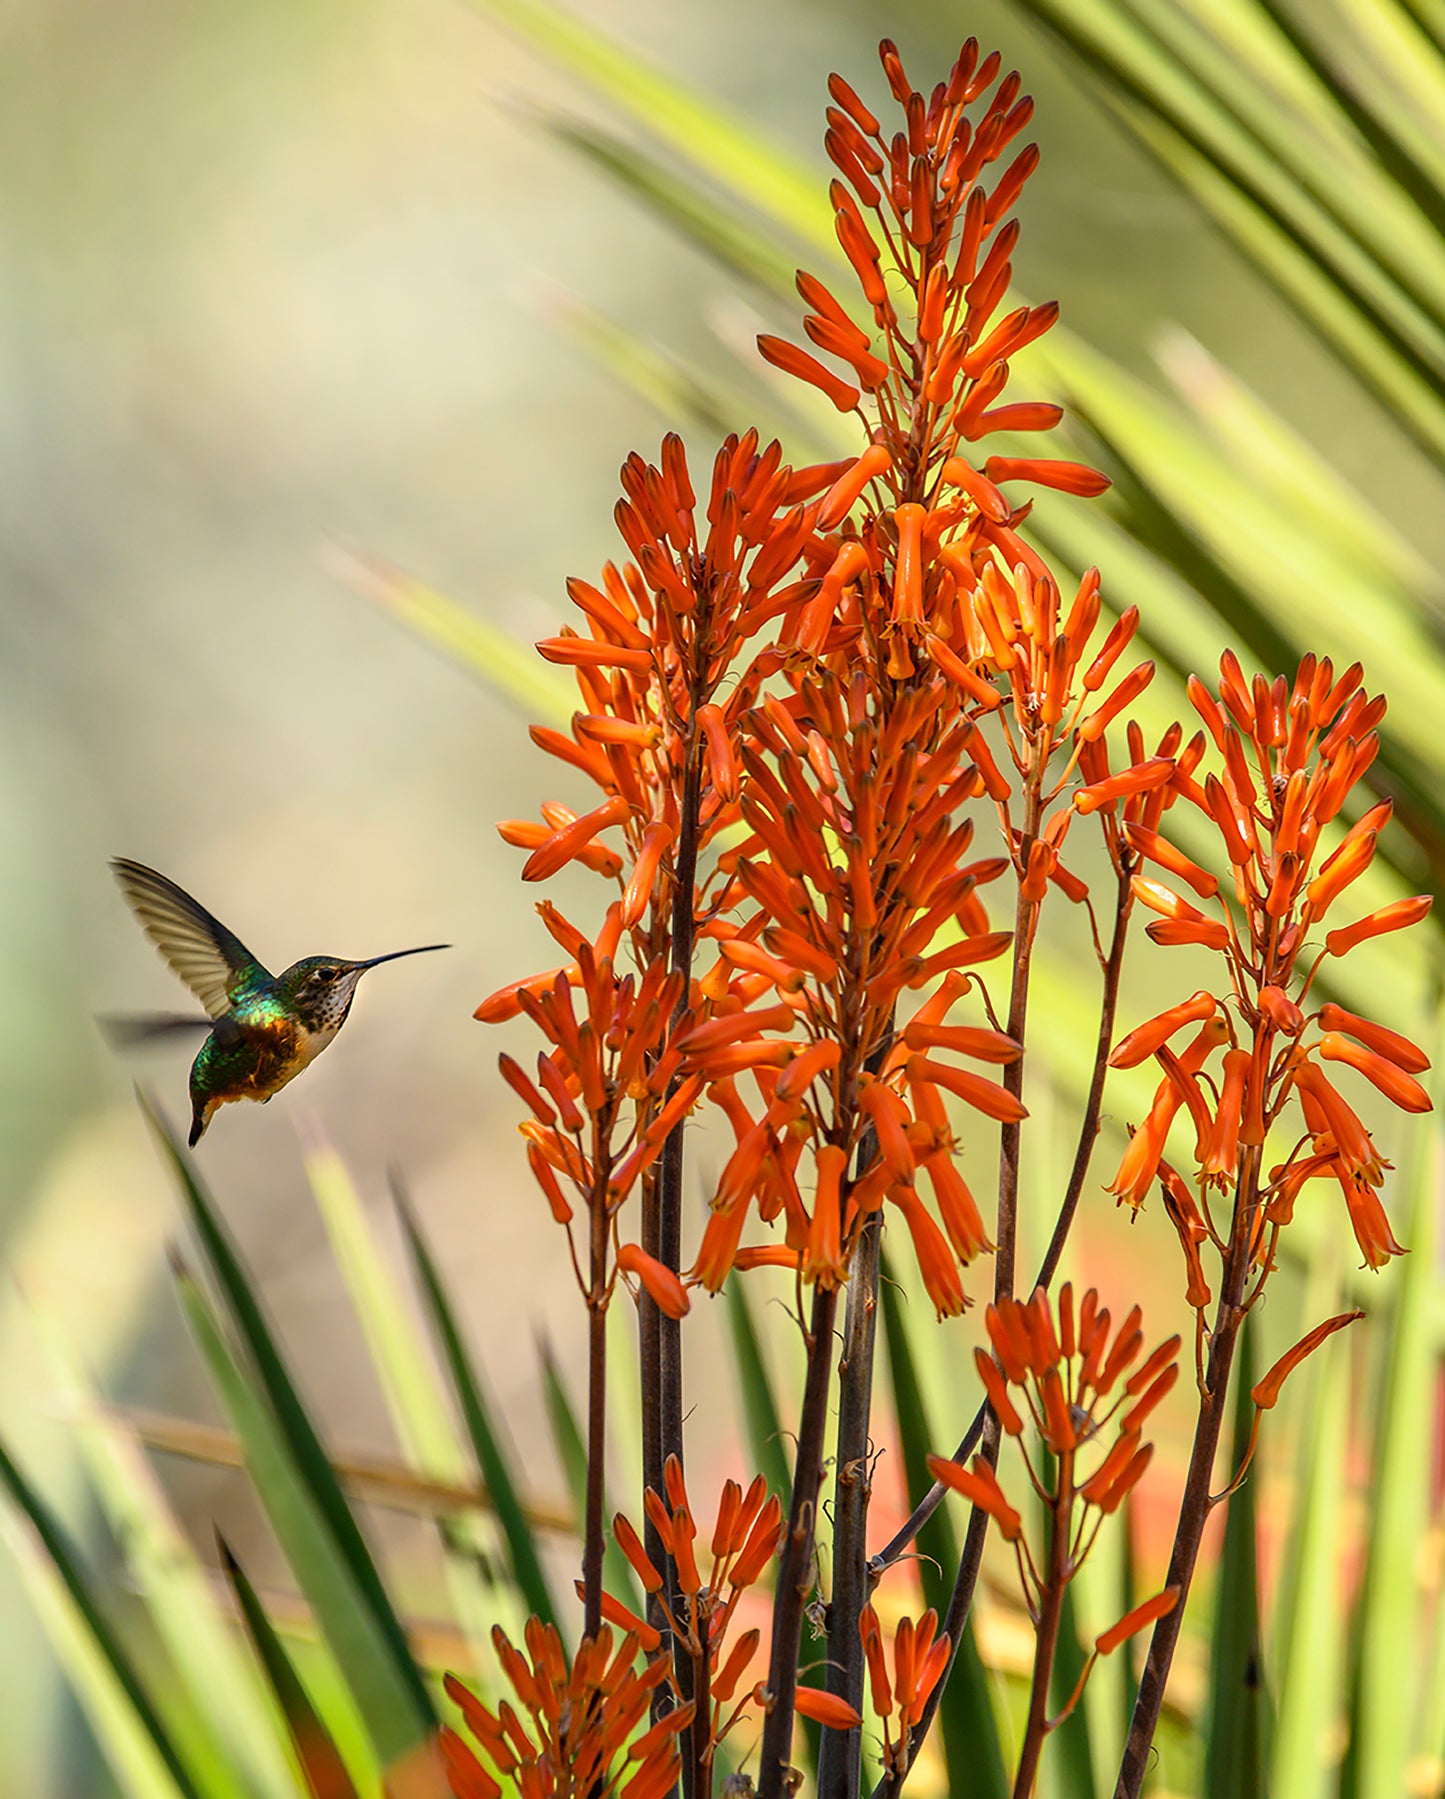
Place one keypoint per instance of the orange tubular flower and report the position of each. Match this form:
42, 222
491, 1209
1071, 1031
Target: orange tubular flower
1265, 1393
746, 1534
920, 1656
1066, 1371
580, 1727
1289, 755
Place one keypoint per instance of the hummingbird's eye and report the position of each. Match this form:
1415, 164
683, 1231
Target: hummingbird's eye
327, 974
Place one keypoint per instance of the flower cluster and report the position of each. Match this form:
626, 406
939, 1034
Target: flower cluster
1067, 1371
1289, 756
1075, 1386
856, 864
576, 1743
743, 1545
936, 367
601, 1107
920, 1656
661, 635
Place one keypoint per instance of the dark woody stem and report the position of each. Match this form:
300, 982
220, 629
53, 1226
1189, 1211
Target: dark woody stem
840, 1767
795, 1566
1046, 1631
660, 1337
1048, 1267
985, 1431
1196, 1505
597, 1297
840, 1761
697, 1762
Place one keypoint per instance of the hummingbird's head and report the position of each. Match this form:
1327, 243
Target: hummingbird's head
321, 988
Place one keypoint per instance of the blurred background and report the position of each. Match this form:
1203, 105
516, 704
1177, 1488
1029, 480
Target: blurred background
287, 284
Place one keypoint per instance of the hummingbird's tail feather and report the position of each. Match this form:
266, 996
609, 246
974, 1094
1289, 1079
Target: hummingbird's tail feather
151, 1027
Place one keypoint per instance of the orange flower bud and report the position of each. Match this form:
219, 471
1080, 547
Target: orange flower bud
1264, 1393
630, 1544
1221, 1152
823, 1262
908, 566
1138, 1413
1011, 1344
968, 1040
1095, 1489
936, 1262
1160, 850
752, 956
721, 764
1043, 860
1028, 415
1281, 1011
793, 361
1059, 1434
1367, 1219
852, 105
1139, 1619
1173, 932
1067, 477
1397, 1086
547, 1181
1146, 1038
958, 671
728, 1027
656, 840
806, 1065
956, 1205
1352, 1140
1093, 727
836, 504
768, 1255
984, 1096
564, 844
1347, 864
1143, 777
1395, 917
724, 1682
959, 472
826, 1709
980, 1487
879, 1687
889, 1118
1399, 1050
663, 1287
993, 1383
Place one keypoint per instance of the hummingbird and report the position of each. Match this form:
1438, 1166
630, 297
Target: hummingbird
263, 1028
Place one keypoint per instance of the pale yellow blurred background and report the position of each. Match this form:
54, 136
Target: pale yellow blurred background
273, 279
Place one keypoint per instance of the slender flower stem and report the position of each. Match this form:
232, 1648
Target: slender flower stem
1196, 1505
660, 1337
795, 1566
1026, 920
592, 1542
900, 1543
697, 1762
840, 1768
1046, 1631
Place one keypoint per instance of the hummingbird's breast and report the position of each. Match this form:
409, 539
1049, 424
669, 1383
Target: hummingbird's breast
256, 1050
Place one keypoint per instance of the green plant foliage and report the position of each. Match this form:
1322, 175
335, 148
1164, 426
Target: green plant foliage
318, 1755
494, 1458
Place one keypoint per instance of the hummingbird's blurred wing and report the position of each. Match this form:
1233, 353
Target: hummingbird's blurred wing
199, 948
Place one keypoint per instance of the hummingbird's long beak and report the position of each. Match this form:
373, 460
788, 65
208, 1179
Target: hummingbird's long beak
392, 955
